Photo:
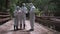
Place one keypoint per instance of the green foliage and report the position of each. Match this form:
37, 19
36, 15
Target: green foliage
37, 12
2, 5
40, 3
53, 5
13, 4
23, 1
12, 8
57, 9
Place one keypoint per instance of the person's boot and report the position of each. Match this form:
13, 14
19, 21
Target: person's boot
14, 27
31, 30
20, 26
23, 26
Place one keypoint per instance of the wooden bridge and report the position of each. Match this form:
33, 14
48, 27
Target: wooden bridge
7, 28
4, 17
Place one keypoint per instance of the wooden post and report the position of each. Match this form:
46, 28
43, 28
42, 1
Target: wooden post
7, 7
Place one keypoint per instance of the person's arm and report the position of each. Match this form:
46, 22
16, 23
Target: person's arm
15, 13
26, 10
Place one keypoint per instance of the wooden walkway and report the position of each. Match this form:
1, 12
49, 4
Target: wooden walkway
7, 28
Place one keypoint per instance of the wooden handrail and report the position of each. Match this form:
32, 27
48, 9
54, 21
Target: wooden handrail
4, 15
2, 20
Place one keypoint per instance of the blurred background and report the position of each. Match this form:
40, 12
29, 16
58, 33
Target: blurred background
50, 8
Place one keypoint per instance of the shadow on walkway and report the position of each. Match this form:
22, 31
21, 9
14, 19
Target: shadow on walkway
15, 32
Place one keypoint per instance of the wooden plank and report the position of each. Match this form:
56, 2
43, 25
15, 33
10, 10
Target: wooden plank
7, 28
4, 19
4, 15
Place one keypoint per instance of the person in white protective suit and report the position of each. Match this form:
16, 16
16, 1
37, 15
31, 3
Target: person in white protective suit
20, 17
16, 18
32, 16
24, 11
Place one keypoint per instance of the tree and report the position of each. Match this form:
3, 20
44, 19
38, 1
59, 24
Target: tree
57, 9
2, 5
52, 6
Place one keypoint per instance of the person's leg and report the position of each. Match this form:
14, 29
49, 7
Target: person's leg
20, 22
17, 27
32, 20
23, 23
15, 23
32, 23
14, 27
24, 18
